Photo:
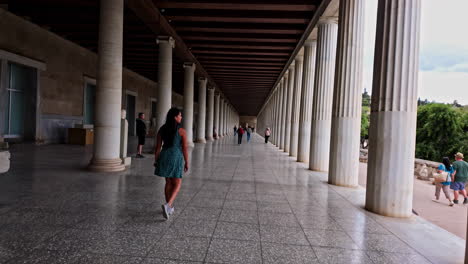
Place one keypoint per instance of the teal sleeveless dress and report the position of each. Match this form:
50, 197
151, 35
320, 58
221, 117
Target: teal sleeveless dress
170, 163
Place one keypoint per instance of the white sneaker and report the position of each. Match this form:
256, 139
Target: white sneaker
165, 210
171, 210
435, 200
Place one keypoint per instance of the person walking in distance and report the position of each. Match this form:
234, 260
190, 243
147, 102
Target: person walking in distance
460, 176
172, 160
235, 130
249, 132
444, 167
267, 134
141, 134
240, 132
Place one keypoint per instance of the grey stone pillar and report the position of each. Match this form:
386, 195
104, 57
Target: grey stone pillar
284, 101
392, 133
289, 100
210, 118
278, 115
216, 116
323, 95
187, 121
307, 92
106, 156
164, 92
201, 110
221, 117
346, 117
296, 103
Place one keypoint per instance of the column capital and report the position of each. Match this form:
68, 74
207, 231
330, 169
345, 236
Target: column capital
291, 66
166, 39
202, 79
310, 42
189, 65
328, 20
299, 58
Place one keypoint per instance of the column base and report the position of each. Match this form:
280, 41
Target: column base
200, 140
209, 139
106, 165
127, 161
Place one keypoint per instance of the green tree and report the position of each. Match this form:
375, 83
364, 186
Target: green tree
442, 130
365, 117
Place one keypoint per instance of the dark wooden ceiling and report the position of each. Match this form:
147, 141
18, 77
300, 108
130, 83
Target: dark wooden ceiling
243, 45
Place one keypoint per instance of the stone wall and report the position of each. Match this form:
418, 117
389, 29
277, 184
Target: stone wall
62, 83
251, 120
423, 169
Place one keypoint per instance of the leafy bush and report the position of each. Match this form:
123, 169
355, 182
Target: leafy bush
442, 130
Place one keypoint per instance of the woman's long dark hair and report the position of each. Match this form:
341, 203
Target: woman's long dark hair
169, 129
446, 162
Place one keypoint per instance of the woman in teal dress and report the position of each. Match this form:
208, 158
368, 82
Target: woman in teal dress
172, 160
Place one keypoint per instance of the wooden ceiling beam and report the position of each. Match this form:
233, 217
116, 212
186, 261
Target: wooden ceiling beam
239, 67
221, 62
240, 39
241, 47
221, 52
239, 58
221, 19
238, 6
241, 30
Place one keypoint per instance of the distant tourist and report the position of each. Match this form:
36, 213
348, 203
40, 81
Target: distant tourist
249, 132
460, 176
215, 133
445, 167
172, 161
141, 134
267, 134
235, 130
240, 132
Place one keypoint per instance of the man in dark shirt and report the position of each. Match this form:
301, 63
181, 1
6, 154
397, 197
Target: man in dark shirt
141, 134
459, 176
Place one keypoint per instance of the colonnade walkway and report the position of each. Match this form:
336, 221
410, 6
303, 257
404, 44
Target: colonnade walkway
238, 204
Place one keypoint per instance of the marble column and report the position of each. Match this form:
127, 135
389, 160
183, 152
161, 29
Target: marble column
392, 132
296, 103
216, 116
210, 117
284, 100
164, 92
221, 117
273, 116
291, 74
201, 110
106, 154
307, 92
323, 95
346, 115
187, 120
225, 118
278, 115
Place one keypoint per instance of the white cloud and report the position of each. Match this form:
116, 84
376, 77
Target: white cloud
443, 73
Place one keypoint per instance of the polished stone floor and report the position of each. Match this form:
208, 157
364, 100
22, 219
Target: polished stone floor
238, 204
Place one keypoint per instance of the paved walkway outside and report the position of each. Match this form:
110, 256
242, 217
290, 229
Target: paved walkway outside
452, 219
239, 204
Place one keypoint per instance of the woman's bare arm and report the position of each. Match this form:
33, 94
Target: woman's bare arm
183, 134
157, 151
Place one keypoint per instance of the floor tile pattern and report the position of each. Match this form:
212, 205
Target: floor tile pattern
246, 203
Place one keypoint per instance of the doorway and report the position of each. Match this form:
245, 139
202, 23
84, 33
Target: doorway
20, 115
90, 100
131, 112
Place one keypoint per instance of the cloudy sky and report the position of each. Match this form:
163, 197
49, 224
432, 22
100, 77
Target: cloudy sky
443, 73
